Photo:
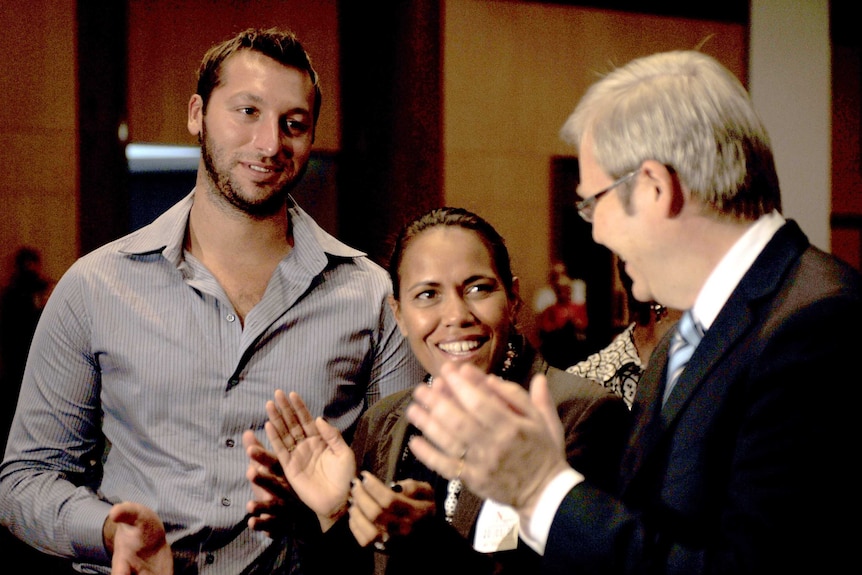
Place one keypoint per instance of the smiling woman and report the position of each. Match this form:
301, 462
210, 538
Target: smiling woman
460, 305
456, 300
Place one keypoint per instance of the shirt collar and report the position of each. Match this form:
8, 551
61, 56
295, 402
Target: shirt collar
729, 271
167, 235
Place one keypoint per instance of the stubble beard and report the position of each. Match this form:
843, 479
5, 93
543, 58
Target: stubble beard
229, 191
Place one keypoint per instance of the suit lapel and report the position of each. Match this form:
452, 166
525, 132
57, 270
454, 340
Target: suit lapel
466, 513
738, 315
393, 443
645, 411
734, 321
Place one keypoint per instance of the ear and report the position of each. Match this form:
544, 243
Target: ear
395, 306
196, 114
515, 300
668, 196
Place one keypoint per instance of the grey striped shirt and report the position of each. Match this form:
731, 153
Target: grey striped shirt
139, 342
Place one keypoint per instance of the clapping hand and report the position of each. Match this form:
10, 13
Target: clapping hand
379, 512
271, 490
135, 536
515, 438
313, 459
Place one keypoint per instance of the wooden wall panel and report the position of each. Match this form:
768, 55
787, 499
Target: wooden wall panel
167, 40
513, 72
38, 139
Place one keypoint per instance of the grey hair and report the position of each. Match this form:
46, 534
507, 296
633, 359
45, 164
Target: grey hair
690, 113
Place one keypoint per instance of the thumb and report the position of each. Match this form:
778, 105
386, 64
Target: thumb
331, 435
124, 512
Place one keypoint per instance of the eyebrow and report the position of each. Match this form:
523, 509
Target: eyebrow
245, 96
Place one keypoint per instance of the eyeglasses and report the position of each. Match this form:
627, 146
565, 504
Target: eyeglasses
588, 206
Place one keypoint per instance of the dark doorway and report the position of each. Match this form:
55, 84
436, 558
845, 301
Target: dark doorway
572, 243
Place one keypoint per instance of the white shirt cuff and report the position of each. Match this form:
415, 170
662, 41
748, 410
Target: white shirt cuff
536, 533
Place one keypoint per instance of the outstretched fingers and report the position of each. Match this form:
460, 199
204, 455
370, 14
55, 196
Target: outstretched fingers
515, 440
286, 415
289, 423
307, 427
459, 408
435, 459
331, 435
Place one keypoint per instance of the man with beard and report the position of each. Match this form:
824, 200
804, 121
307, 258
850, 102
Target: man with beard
157, 351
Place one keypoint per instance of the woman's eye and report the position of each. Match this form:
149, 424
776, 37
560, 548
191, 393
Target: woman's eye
480, 289
426, 295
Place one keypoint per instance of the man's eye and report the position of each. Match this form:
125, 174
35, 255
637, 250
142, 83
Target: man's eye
247, 111
297, 128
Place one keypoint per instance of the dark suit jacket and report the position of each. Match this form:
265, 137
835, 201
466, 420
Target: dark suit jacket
596, 423
746, 468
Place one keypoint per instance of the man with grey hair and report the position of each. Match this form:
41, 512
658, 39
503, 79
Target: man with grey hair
739, 453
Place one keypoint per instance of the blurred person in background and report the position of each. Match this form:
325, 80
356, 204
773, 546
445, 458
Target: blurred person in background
21, 304
620, 365
562, 325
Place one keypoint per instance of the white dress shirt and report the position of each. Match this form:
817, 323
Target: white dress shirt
712, 297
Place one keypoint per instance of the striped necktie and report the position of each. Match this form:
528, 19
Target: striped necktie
685, 339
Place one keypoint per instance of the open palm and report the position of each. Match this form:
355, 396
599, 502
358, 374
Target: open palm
315, 459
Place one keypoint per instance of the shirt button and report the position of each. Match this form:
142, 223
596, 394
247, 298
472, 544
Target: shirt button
230, 443
230, 317
210, 559
225, 501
